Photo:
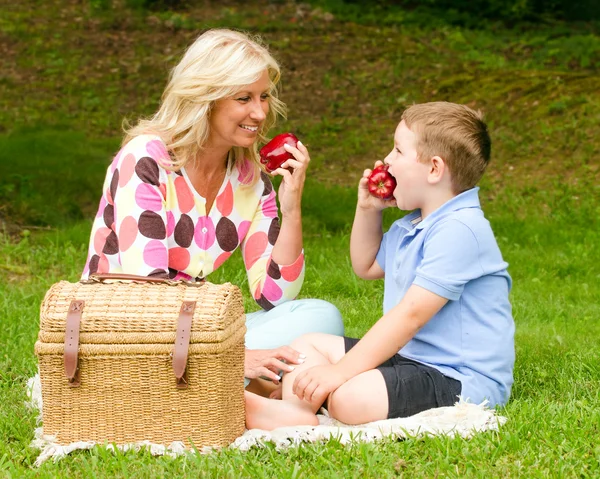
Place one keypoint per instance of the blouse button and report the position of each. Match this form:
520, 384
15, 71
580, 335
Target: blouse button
205, 229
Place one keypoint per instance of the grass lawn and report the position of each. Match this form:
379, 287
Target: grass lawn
65, 91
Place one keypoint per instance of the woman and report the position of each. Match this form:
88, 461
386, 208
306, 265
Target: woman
187, 189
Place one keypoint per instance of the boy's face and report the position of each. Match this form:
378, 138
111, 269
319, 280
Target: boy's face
410, 173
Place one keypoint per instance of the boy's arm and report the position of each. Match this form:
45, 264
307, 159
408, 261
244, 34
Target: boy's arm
382, 341
365, 239
367, 231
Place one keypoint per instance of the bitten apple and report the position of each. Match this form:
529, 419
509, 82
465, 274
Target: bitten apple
273, 154
380, 183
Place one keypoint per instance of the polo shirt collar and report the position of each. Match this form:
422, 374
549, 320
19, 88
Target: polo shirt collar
466, 199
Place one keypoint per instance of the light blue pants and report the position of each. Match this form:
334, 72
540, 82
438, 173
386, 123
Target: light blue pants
286, 322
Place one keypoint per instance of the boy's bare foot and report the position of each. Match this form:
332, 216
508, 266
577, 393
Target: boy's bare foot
269, 414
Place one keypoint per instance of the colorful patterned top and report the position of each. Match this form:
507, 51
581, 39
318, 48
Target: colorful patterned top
152, 222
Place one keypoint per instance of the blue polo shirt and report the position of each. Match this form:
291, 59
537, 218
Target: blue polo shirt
453, 253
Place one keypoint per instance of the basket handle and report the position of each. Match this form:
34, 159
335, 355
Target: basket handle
101, 277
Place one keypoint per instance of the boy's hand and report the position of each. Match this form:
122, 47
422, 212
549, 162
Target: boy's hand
316, 383
366, 200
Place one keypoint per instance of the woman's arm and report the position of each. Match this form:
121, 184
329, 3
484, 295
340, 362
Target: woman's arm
272, 250
289, 243
129, 234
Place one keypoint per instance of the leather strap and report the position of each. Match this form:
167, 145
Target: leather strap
127, 277
182, 342
72, 341
101, 277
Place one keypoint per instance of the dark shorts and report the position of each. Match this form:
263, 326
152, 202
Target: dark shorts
413, 387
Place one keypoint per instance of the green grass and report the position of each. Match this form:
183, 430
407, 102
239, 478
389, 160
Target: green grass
64, 92
554, 414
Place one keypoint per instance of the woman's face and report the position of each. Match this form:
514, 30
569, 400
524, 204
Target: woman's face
235, 121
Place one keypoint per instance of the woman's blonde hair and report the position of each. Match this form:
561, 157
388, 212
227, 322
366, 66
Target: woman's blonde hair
216, 66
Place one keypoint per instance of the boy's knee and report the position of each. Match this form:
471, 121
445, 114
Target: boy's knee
343, 405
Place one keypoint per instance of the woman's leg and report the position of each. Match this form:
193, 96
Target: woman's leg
290, 320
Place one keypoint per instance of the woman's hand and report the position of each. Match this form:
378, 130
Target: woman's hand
366, 200
268, 362
290, 190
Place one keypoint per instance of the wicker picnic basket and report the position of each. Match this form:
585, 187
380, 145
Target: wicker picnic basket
142, 359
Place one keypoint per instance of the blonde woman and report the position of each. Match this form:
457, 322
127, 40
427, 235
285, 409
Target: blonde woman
186, 190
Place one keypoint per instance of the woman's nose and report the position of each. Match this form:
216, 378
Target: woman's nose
258, 112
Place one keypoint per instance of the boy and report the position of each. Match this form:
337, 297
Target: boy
447, 328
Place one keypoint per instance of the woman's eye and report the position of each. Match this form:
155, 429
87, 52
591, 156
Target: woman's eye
265, 96
243, 99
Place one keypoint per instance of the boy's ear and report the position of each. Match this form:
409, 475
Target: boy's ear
437, 170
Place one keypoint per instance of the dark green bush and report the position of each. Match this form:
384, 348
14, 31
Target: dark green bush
499, 10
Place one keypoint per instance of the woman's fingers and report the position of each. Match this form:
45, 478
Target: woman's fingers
277, 365
290, 355
286, 174
300, 155
266, 373
295, 164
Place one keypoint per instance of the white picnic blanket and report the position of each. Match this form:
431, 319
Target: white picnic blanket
463, 419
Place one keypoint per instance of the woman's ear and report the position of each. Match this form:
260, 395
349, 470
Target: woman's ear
437, 169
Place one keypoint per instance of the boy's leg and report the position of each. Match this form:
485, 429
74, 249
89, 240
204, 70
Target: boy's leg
319, 349
268, 414
285, 323
399, 387
364, 398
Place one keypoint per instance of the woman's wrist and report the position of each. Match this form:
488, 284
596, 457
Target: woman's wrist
294, 214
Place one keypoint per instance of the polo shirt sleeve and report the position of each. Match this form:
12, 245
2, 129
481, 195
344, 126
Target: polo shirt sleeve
451, 258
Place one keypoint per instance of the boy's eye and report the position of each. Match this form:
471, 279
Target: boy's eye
398, 151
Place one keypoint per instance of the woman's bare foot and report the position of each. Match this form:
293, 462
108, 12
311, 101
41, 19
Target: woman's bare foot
269, 414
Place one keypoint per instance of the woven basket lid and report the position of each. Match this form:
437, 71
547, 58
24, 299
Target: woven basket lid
132, 307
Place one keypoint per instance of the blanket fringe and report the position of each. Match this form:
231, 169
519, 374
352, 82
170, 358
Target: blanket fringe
464, 419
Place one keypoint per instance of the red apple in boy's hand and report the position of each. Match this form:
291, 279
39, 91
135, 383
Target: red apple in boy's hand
273, 154
380, 183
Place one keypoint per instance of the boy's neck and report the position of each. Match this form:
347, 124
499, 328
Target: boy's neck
436, 198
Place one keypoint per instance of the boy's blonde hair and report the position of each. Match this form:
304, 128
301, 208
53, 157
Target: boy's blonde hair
216, 66
457, 134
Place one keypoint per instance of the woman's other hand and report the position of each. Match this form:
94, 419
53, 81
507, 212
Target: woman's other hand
269, 362
293, 173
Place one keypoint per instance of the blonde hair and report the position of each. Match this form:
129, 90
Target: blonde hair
457, 134
216, 66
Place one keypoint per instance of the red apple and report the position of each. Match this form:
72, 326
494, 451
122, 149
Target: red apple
273, 154
381, 184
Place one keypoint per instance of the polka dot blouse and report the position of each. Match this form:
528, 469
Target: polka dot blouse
152, 222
